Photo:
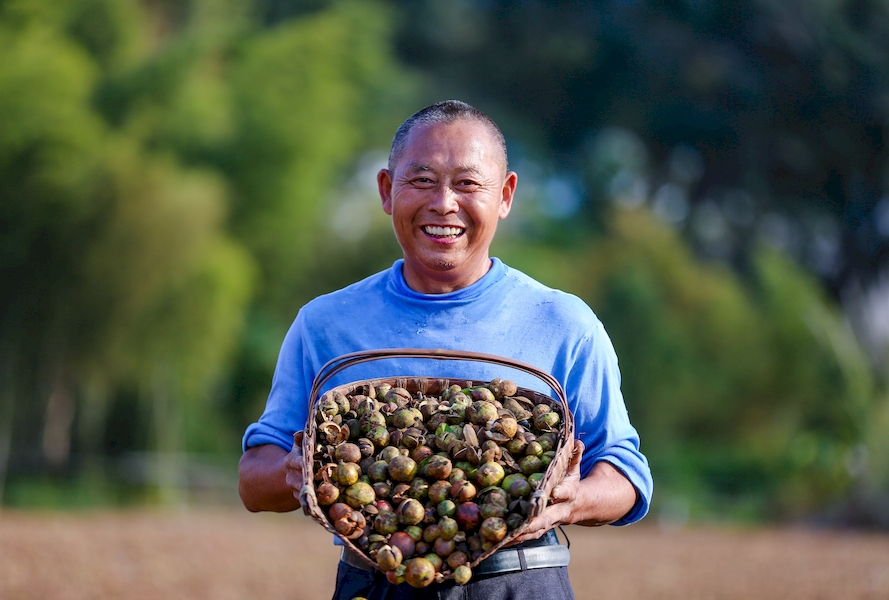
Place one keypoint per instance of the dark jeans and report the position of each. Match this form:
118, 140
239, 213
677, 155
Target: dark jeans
536, 584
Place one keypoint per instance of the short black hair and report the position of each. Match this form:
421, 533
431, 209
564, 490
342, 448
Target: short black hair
446, 111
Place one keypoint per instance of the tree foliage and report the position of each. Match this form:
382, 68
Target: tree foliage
781, 103
743, 400
161, 172
177, 178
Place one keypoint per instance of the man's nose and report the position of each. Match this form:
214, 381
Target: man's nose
444, 201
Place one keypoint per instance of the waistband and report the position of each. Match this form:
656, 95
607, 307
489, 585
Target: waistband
534, 554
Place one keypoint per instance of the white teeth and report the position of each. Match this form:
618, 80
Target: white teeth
443, 231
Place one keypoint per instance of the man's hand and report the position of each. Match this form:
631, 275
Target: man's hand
293, 462
562, 502
602, 497
271, 478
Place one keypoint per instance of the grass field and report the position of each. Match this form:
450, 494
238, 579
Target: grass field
231, 554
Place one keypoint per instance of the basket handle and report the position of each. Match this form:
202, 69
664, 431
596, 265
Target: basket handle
334, 366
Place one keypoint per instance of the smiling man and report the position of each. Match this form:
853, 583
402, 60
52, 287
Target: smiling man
446, 187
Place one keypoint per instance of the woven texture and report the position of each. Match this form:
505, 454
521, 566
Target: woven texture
430, 387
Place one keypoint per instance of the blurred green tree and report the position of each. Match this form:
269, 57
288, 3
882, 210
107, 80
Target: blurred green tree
750, 398
163, 168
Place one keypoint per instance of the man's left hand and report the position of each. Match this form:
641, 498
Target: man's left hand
562, 501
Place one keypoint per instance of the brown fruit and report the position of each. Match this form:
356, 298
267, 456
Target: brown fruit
386, 523
489, 509
402, 468
444, 547
439, 491
516, 485
436, 560
462, 491
431, 533
457, 558
404, 543
378, 436
493, 529
481, 412
439, 467
411, 512
421, 453
348, 452
382, 489
389, 557
402, 419
419, 489
378, 470
327, 493
338, 511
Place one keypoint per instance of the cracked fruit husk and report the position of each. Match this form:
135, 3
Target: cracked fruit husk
425, 485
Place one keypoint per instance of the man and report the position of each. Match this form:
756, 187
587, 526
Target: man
446, 187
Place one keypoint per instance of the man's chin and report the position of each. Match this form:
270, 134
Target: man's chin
443, 264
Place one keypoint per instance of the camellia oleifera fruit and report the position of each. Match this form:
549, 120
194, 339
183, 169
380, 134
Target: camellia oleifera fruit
423, 485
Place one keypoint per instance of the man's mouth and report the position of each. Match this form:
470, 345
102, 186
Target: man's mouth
443, 232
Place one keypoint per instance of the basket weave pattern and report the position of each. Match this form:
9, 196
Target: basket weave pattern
430, 387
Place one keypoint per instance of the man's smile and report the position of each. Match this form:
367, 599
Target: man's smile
443, 232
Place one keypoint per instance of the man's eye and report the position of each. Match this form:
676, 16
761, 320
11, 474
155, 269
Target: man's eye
467, 183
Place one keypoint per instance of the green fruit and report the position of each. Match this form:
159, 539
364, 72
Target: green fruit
359, 494
446, 508
439, 491
530, 464
347, 473
419, 572
488, 474
516, 485
462, 574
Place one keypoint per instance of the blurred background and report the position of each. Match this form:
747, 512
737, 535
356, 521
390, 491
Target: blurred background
177, 177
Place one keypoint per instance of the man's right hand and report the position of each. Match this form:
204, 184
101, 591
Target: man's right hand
294, 465
271, 478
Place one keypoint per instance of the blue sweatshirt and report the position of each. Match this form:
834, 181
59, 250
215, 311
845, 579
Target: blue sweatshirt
505, 313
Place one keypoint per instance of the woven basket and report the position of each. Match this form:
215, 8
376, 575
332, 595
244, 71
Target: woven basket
430, 386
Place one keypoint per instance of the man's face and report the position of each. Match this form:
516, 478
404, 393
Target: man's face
445, 195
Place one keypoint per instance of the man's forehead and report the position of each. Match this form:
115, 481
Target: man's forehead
418, 165
478, 140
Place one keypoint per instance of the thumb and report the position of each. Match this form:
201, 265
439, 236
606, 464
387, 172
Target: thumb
298, 439
564, 490
577, 456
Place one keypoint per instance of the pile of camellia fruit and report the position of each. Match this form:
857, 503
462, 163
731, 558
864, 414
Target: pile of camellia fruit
424, 485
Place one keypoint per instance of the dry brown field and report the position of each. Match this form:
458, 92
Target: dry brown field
231, 554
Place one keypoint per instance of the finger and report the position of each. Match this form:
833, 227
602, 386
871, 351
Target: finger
574, 463
536, 529
565, 489
552, 517
294, 457
298, 438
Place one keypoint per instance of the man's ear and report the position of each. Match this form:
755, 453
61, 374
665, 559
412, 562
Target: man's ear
508, 192
384, 184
